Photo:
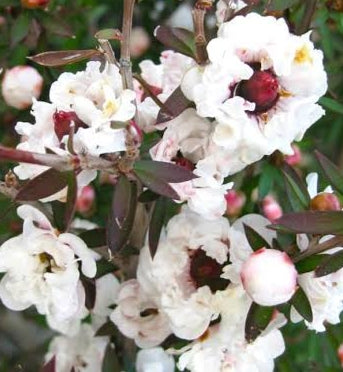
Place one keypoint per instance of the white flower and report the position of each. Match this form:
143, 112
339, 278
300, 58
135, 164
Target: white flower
137, 316
163, 80
41, 269
20, 85
261, 82
324, 293
82, 352
269, 277
185, 271
154, 360
223, 347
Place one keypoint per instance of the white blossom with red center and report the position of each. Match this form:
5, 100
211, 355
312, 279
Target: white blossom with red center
261, 85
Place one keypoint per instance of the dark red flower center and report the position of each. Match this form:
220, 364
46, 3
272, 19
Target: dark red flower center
205, 270
262, 89
62, 121
183, 162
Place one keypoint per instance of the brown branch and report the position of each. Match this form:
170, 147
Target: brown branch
125, 62
336, 241
310, 8
200, 38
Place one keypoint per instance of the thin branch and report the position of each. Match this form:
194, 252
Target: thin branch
310, 8
125, 62
200, 38
147, 89
336, 241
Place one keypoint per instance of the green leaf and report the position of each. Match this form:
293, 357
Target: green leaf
258, 318
20, 28
266, 180
156, 224
332, 105
63, 57
57, 26
110, 362
45, 184
123, 210
178, 39
175, 105
311, 222
104, 267
94, 238
147, 196
255, 239
109, 34
302, 304
331, 264
333, 173
310, 263
297, 193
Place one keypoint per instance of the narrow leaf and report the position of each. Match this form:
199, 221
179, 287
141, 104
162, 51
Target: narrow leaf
156, 185
107, 329
109, 34
175, 105
311, 222
255, 239
178, 39
123, 210
20, 28
147, 196
302, 304
156, 224
330, 265
110, 362
42, 186
333, 173
332, 105
297, 193
104, 267
167, 172
71, 200
90, 291
310, 263
63, 57
257, 320
94, 238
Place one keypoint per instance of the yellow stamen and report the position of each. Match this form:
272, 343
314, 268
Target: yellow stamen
303, 55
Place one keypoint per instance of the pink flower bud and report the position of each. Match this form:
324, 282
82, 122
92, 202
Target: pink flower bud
235, 201
271, 208
340, 354
139, 41
294, 159
325, 201
269, 277
85, 199
20, 85
33, 4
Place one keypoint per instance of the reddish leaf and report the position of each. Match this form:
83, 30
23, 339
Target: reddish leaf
123, 210
156, 185
56, 25
333, 173
156, 224
178, 39
167, 172
175, 105
63, 57
71, 199
42, 186
311, 222
50, 366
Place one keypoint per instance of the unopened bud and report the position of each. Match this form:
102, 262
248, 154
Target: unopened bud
271, 208
85, 199
325, 201
33, 4
235, 201
269, 277
294, 159
20, 85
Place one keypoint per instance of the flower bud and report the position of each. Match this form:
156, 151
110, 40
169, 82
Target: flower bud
294, 159
262, 89
325, 201
85, 199
139, 41
33, 4
235, 201
62, 121
271, 208
20, 85
340, 354
269, 277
